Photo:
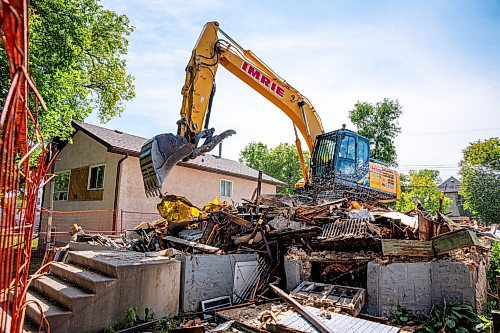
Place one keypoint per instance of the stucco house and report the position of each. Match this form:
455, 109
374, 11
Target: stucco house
450, 188
98, 181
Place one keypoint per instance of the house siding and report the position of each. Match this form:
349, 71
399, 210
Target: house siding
97, 215
93, 214
198, 186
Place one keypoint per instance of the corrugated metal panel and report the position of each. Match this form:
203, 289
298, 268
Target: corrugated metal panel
337, 322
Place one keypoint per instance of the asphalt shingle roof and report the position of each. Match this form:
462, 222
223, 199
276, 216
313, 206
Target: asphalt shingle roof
450, 185
124, 143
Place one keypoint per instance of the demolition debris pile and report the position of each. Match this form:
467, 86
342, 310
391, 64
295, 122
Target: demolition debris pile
320, 251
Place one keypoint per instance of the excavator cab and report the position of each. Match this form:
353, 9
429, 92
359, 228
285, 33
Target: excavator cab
341, 153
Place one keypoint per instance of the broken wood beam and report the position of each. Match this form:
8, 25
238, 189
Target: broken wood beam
455, 240
194, 245
311, 318
409, 248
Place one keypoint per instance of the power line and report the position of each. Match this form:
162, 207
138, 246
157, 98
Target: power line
453, 132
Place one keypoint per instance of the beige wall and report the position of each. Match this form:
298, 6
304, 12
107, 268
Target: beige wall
196, 185
84, 152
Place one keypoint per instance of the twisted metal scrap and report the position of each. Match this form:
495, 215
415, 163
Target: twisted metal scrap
24, 164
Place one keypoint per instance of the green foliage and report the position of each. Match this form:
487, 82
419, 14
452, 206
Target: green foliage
400, 317
131, 319
379, 123
77, 51
281, 162
167, 323
480, 175
493, 268
456, 318
422, 184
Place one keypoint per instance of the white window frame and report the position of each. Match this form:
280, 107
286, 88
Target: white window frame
103, 177
220, 188
67, 191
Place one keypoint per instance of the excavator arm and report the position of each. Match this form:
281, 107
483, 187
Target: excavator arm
215, 48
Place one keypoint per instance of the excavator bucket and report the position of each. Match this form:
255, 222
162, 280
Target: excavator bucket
158, 156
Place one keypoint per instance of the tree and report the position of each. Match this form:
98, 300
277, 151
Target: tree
422, 184
76, 60
281, 162
480, 175
379, 123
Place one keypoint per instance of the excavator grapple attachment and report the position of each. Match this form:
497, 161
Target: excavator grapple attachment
158, 156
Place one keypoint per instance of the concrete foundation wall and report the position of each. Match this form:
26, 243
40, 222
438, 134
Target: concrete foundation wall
141, 282
207, 276
417, 286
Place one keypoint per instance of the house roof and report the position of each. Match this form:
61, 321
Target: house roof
450, 185
124, 143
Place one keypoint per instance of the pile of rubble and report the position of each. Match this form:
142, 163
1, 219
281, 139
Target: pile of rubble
319, 251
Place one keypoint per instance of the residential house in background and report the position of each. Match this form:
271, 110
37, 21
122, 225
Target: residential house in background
450, 188
99, 185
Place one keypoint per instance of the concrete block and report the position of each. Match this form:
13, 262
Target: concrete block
292, 273
207, 276
452, 281
417, 286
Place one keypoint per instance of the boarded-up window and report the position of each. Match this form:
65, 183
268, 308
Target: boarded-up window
78, 186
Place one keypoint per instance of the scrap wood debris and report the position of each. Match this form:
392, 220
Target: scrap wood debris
332, 240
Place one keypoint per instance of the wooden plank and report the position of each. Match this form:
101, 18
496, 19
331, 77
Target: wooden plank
194, 245
455, 240
319, 325
409, 248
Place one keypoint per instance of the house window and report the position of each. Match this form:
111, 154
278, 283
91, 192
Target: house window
226, 188
61, 186
96, 177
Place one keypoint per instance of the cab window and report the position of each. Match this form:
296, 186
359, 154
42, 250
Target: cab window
363, 152
347, 154
324, 155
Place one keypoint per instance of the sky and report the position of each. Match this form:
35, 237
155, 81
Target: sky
440, 59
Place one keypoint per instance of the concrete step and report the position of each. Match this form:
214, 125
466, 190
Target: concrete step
62, 292
92, 259
57, 316
82, 277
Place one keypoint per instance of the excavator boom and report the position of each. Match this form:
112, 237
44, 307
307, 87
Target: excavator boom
340, 160
214, 48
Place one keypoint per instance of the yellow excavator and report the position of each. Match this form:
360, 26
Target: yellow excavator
340, 163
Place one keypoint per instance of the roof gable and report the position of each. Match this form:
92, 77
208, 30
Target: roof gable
123, 143
450, 185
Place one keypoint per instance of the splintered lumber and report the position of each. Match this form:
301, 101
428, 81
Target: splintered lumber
237, 220
310, 317
455, 240
409, 248
197, 246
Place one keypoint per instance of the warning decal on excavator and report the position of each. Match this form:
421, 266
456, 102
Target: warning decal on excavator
382, 178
